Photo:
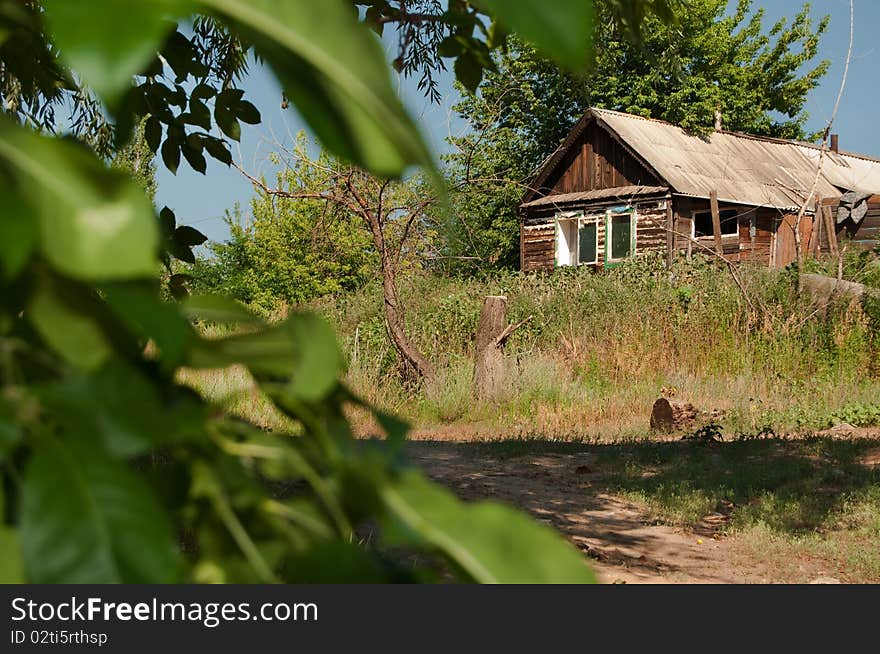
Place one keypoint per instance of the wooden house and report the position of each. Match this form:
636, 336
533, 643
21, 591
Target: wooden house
621, 184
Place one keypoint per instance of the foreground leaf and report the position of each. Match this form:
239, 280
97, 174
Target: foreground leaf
18, 231
563, 29
121, 406
94, 222
73, 335
86, 518
11, 565
112, 41
301, 350
489, 542
335, 72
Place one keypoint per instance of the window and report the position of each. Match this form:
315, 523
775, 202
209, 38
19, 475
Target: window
703, 223
621, 236
577, 240
588, 240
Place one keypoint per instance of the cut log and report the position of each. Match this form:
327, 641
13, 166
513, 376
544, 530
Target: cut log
671, 415
824, 288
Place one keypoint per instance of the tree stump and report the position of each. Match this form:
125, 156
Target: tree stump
488, 356
671, 415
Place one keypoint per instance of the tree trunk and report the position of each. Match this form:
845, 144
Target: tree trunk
410, 356
671, 415
488, 355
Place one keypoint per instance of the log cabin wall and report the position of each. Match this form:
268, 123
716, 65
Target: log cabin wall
755, 240
538, 235
752, 241
651, 227
597, 161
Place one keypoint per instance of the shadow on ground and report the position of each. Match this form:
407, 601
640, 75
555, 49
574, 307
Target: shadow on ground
662, 511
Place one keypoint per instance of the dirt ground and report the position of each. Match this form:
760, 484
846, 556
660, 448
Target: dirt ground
619, 538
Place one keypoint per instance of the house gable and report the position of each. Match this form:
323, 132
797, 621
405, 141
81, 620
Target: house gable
595, 161
591, 158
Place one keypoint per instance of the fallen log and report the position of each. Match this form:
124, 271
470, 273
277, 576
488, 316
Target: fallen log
672, 415
823, 288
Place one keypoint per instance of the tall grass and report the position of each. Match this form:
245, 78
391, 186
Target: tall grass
601, 347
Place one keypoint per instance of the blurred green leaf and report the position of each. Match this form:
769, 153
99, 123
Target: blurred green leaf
302, 349
335, 72
121, 406
216, 308
138, 305
489, 542
104, 525
10, 434
316, 367
563, 29
18, 231
112, 41
74, 335
95, 223
11, 564
336, 562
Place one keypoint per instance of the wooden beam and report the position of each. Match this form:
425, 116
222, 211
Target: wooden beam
829, 230
716, 223
670, 234
814, 230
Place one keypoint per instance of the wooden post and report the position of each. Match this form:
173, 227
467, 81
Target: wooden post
670, 236
716, 223
814, 230
829, 230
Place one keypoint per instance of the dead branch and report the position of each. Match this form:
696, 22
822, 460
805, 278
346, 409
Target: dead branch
508, 332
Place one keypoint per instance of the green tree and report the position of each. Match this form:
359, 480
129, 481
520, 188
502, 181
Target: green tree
137, 160
288, 252
683, 72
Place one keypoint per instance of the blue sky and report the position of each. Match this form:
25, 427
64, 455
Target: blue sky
201, 200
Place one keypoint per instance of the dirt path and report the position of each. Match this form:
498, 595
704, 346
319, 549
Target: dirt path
617, 535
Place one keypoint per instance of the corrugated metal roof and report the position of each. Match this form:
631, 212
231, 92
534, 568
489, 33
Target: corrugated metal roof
623, 193
740, 168
848, 171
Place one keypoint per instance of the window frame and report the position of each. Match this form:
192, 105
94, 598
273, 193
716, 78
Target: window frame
734, 218
582, 220
575, 219
609, 234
